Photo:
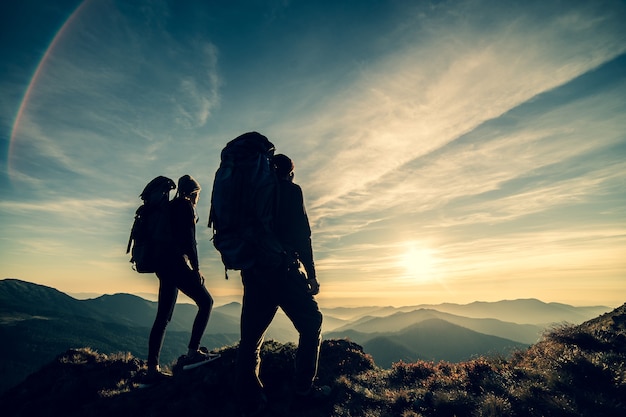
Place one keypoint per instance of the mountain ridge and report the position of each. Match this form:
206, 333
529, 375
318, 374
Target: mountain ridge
524, 333
511, 309
432, 340
533, 311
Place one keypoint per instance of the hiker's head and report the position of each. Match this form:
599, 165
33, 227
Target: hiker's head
189, 188
283, 165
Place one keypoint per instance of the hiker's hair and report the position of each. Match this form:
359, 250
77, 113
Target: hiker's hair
283, 165
187, 185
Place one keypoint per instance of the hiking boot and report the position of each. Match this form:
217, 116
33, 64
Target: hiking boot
153, 377
200, 357
315, 394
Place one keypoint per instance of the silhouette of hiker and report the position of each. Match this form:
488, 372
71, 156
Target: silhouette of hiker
181, 271
266, 289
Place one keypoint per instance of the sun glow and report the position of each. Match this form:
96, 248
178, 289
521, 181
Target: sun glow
418, 262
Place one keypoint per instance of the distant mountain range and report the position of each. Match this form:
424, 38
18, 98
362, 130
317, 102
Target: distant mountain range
523, 333
39, 322
431, 340
520, 311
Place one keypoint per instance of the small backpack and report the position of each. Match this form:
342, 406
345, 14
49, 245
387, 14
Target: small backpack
243, 202
151, 235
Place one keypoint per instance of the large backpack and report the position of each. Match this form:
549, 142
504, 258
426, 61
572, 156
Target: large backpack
243, 202
151, 234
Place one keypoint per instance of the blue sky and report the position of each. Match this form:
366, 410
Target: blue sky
449, 151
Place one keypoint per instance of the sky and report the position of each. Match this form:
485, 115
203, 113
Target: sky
449, 151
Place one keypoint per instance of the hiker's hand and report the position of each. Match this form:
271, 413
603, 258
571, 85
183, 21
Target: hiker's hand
200, 277
314, 286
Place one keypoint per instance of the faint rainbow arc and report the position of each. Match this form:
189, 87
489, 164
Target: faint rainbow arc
33, 82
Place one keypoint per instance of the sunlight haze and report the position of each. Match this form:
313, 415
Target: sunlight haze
449, 151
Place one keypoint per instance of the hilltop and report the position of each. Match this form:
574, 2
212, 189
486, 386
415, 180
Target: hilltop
572, 371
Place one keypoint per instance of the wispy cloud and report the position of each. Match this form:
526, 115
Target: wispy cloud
75, 209
430, 94
199, 93
67, 228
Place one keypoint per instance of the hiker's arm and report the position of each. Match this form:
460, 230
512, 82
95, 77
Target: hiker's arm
294, 230
184, 226
306, 257
192, 248
303, 233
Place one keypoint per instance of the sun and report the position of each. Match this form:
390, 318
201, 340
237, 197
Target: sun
418, 262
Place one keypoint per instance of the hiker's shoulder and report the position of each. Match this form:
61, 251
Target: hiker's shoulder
295, 189
180, 205
289, 185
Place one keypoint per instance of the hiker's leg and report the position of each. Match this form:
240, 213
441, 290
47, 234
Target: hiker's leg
167, 300
303, 311
192, 285
257, 312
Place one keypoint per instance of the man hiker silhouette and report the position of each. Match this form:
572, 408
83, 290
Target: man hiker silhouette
180, 270
287, 287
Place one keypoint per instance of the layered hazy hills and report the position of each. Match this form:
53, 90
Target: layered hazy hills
573, 370
524, 333
520, 311
39, 322
431, 339
433, 332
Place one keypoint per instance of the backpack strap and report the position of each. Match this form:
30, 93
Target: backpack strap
130, 242
131, 236
132, 230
